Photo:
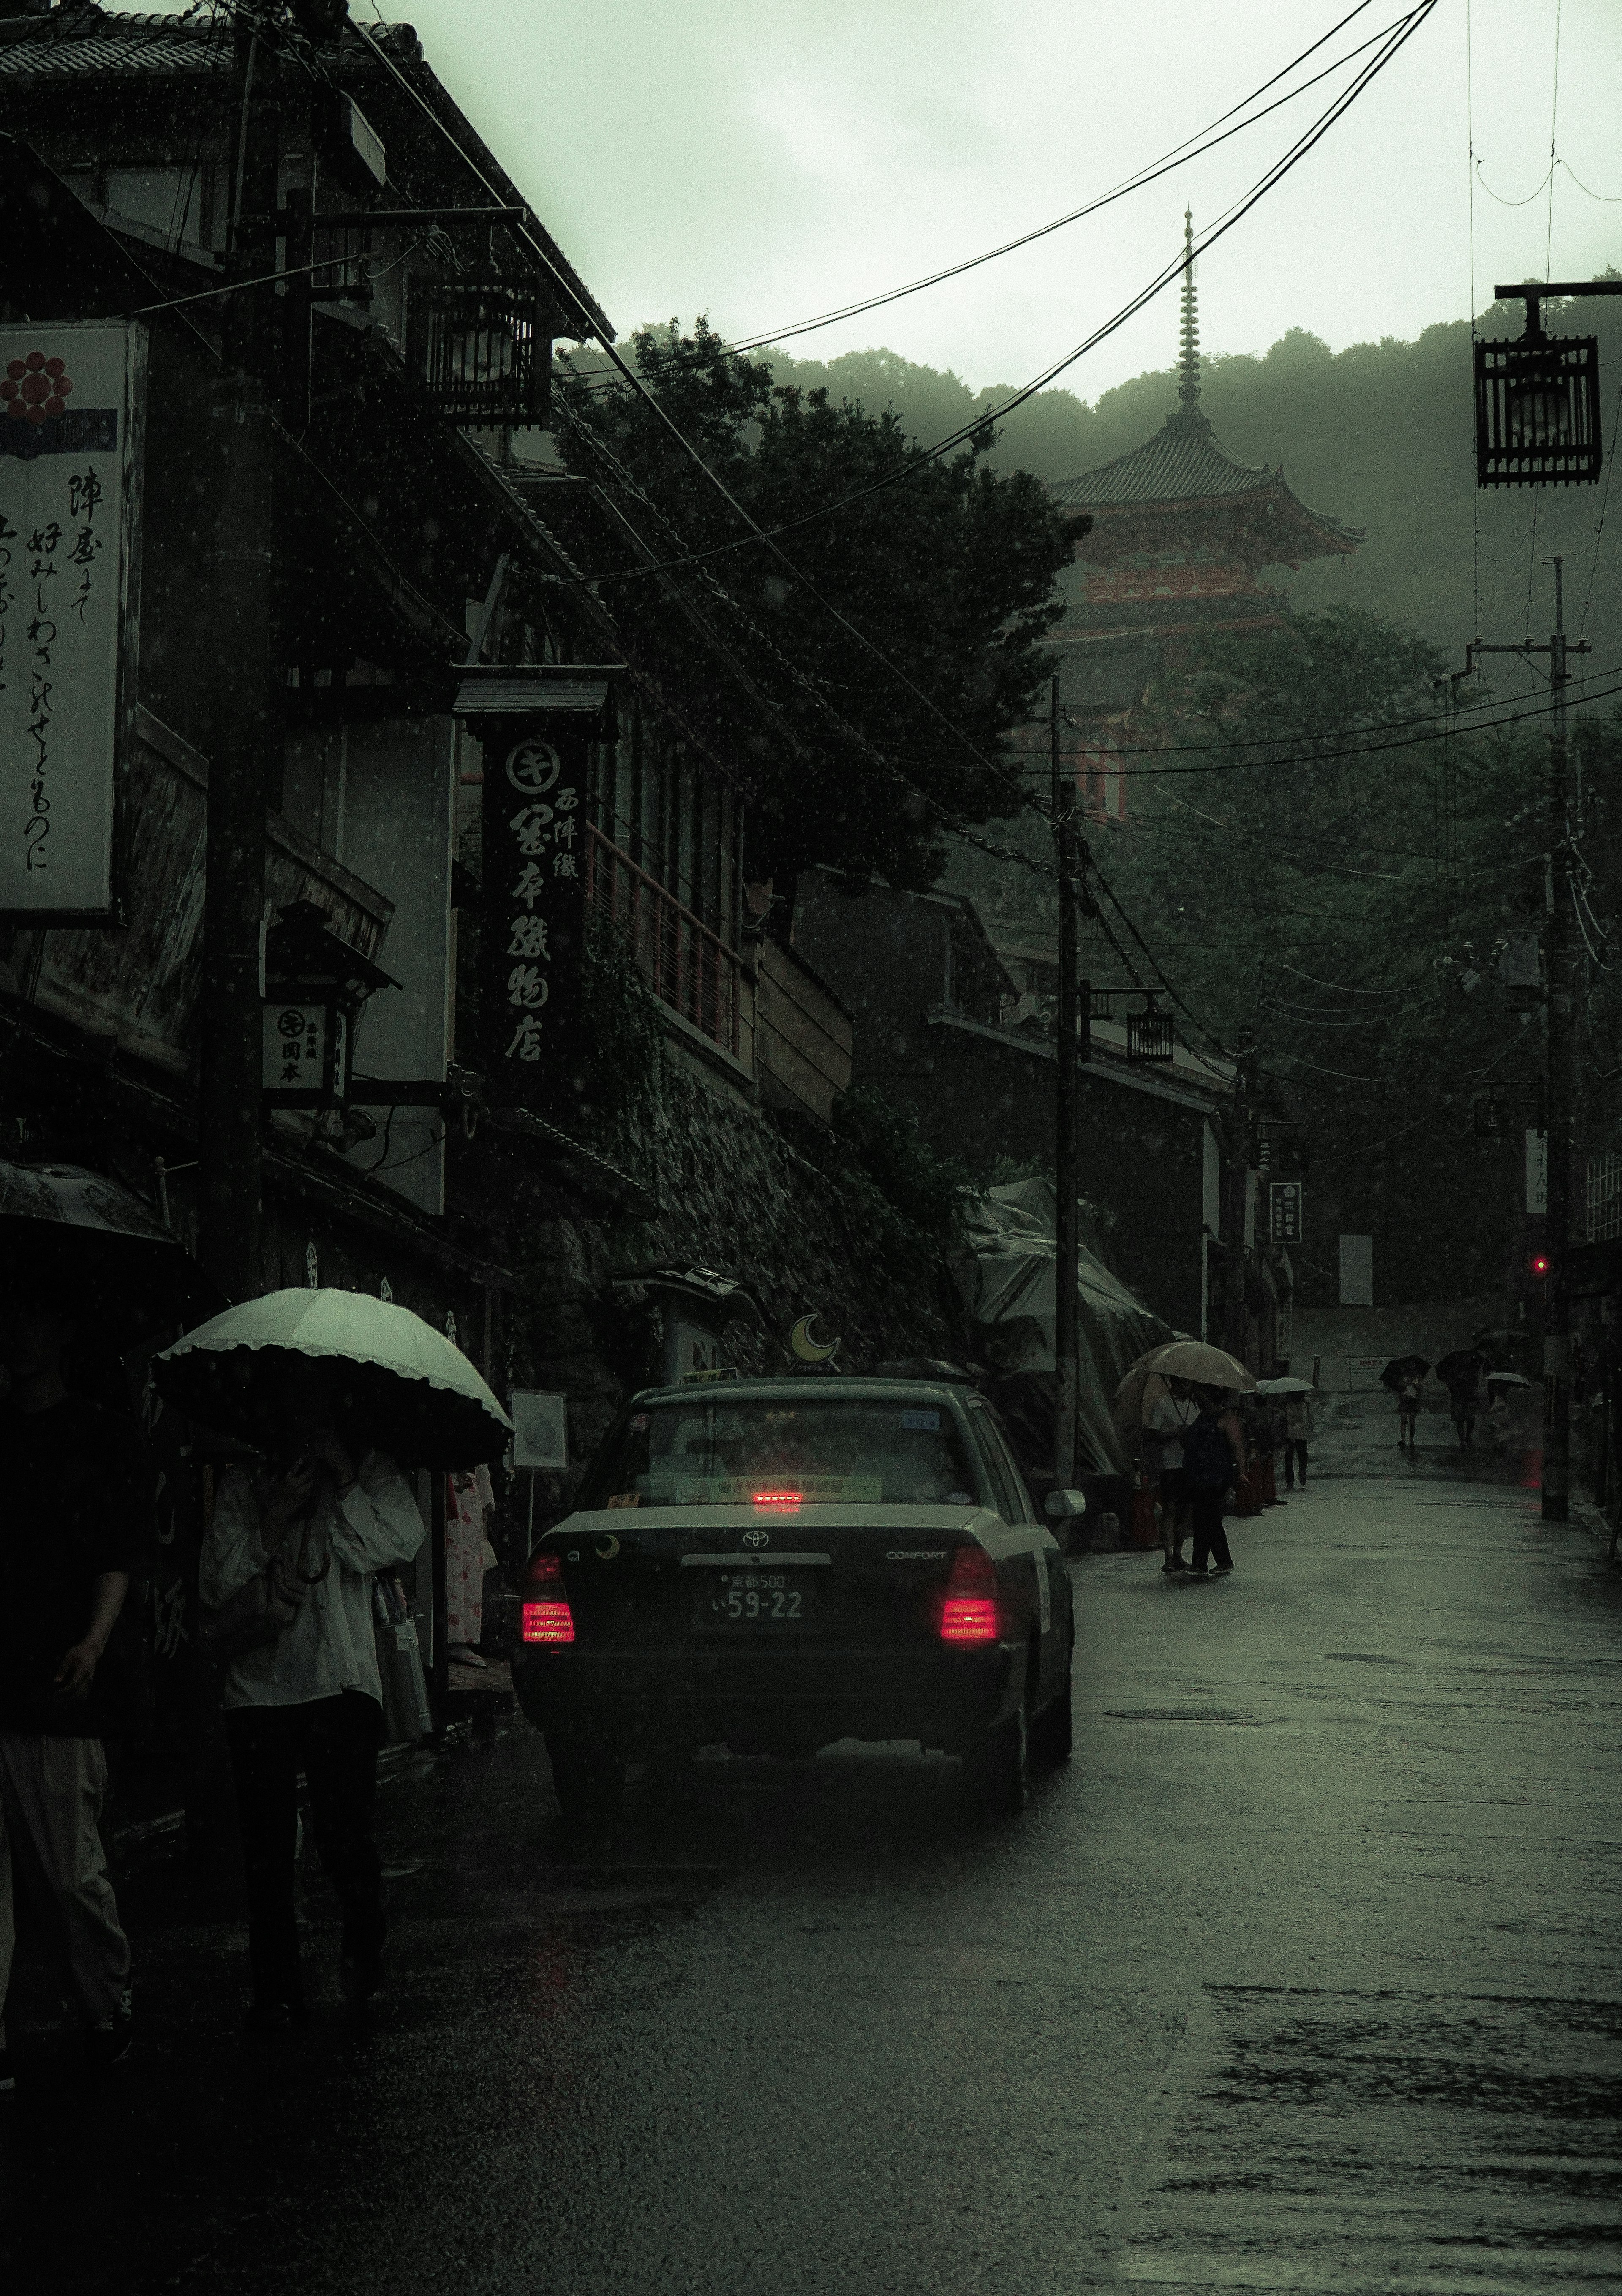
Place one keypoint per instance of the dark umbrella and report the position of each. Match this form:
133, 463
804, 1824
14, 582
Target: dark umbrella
94, 1246
1463, 1363
1399, 1367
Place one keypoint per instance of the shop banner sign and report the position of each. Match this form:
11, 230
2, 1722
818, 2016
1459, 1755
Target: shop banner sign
1537, 1172
532, 915
70, 406
1284, 1210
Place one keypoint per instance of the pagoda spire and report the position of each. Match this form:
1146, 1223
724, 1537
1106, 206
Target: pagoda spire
1187, 354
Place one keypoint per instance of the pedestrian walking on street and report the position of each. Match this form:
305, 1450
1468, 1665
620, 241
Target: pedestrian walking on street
299, 1541
1298, 1435
1213, 1462
74, 1533
1409, 1388
1464, 1392
1169, 1416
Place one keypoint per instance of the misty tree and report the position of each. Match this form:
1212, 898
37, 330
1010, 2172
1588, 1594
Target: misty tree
947, 567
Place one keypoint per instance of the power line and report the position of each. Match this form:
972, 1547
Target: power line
1406, 28
1179, 156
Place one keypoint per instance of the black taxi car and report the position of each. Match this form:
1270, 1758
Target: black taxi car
779, 1564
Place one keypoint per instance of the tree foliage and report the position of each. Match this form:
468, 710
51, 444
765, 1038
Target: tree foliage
949, 569
1341, 918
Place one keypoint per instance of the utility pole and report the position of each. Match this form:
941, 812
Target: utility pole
1066, 1177
247, 723
1558, 1098
1558, 1080
1235, 1213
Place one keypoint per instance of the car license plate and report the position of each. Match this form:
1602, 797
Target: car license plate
753, 1603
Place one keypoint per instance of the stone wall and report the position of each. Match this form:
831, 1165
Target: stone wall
730, 1191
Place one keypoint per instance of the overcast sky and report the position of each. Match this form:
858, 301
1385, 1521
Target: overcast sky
762, 163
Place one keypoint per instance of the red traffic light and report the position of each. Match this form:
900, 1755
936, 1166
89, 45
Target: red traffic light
1539, 1264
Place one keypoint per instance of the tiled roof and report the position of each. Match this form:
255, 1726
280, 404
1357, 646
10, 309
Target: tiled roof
1182, 463
81, 42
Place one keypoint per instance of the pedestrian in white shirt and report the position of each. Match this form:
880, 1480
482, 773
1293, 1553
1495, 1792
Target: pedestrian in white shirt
315, 1522
1168, 1415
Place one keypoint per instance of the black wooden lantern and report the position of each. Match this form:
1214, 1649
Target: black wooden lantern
483, 353
1537, 402
314, 986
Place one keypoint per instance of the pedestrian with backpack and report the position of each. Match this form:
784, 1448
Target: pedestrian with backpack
1213, 1460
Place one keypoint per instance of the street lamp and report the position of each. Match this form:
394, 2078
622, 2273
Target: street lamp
1537, 398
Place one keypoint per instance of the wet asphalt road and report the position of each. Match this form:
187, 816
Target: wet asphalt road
1304, 1976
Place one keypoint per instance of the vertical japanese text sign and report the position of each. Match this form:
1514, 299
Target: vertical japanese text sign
1284, 1210
69, 402
532, 924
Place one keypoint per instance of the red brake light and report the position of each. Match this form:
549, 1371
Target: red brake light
777, 1498
968, 1614
546, 1615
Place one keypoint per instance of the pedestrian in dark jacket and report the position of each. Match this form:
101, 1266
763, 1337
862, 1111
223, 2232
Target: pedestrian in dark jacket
74, 1534
1213, 1460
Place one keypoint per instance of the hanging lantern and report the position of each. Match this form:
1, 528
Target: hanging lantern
314, 986
1538, 404
1149, 1035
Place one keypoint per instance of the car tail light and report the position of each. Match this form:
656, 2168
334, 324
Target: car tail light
968, 1613
777, 1498
547, 1615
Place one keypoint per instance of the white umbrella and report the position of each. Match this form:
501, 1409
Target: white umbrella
1507, 1379
408, 1390
1284, 1386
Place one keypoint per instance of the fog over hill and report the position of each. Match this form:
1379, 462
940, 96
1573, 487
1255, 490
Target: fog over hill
1379, 436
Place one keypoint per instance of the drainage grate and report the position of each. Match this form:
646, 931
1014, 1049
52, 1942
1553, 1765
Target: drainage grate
1176, 1714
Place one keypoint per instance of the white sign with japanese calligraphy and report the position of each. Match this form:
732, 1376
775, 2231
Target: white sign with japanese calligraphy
69, 398
535, 876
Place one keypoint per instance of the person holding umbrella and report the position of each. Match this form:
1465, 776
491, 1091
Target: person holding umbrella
334, 1388
1406, 1376
322, 1515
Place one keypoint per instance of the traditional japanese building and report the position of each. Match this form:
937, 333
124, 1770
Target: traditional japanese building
1173, 538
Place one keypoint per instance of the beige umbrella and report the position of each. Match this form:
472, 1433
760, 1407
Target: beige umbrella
1191, 1359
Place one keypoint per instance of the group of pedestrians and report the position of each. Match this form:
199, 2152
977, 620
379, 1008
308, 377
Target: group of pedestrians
287, 1565
1207, 1449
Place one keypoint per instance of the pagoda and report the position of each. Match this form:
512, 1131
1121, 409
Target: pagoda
1172, 538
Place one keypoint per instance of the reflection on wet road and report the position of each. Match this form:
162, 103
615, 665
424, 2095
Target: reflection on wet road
1305, 1976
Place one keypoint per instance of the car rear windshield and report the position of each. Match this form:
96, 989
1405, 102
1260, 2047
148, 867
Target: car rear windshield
713, 1453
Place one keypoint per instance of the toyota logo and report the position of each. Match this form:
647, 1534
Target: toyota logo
755, 1537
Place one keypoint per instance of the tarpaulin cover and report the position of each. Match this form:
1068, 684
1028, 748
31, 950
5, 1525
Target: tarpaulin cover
1008, 1279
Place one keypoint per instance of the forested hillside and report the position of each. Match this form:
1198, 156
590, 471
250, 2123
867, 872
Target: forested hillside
1379, 436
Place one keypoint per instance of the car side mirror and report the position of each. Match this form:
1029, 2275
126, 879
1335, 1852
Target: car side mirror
1061, 1505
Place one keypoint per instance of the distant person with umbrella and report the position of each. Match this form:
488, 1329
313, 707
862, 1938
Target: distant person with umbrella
1406, 1376
333, 1386
1461, 1374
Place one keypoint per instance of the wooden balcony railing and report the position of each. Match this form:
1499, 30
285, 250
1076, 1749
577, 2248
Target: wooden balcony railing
687, 966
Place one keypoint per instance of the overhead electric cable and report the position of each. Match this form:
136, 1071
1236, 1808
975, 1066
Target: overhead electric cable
1192, 148
1174, 269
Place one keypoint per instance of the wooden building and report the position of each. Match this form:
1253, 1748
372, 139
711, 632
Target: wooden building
413, 539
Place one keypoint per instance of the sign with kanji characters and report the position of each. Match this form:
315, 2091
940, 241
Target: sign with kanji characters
532, 913
1537, 1172
305, 1054
1284, 1210
70, 403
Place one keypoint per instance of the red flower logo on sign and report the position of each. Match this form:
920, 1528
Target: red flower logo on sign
33, 389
